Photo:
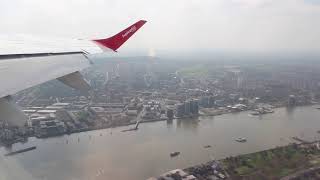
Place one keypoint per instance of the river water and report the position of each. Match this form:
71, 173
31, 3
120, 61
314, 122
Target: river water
110, 154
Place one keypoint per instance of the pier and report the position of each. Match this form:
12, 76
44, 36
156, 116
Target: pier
21, 151
301, 140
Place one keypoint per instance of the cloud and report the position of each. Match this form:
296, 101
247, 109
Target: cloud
252, 3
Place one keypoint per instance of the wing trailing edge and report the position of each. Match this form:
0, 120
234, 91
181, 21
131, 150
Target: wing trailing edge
76, 81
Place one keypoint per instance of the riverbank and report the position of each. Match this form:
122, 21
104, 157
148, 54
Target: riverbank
221, 111
274, 163
211, 112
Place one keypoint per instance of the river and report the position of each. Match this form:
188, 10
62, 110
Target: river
136, 155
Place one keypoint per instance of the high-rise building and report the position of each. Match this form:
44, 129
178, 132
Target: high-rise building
195, 106
220, 102
211, 101
170, 113
187, 106
204, 101
180, 110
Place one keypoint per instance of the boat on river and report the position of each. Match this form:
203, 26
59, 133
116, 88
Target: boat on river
241, 139
21, 151
255, 113
174, 154
261, 111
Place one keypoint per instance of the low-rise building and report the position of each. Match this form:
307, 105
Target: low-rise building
177, 174
180, 110
132, 112
49, 128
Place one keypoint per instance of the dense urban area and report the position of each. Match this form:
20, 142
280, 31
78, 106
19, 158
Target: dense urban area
129, 91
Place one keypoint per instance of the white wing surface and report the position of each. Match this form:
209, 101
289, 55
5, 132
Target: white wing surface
26, 61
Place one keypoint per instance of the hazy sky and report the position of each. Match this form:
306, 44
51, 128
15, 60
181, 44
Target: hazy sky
235, 25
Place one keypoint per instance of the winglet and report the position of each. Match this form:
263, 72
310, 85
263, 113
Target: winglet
117, 40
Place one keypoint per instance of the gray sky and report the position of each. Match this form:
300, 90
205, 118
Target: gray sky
232, 25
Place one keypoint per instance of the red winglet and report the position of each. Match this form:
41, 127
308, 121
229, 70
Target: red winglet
117, 40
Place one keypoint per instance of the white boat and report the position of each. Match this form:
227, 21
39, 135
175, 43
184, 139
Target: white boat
255, 113
174, 154
163, 117
240, 139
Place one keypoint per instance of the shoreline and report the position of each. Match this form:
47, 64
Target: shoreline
8, 144
248, 164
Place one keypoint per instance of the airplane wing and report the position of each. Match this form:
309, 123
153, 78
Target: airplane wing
27, 61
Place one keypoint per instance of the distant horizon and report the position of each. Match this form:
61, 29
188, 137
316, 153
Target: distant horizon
211, 53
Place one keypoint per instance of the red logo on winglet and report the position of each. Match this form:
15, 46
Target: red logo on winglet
131, 30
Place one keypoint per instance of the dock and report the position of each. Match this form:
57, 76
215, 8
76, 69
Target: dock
132, 129
301, 140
